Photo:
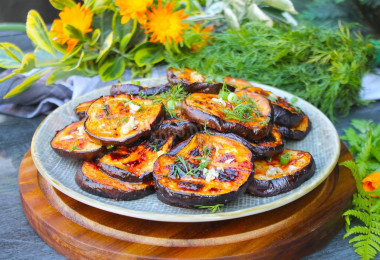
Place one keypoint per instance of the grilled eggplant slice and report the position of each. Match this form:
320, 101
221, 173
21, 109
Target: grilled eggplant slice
134, 164
208, 168
271, 145
122, 119
273, 178
193, 81
176, 127
298, 132
285, 113
254, 124
81, 109
132, 89
92, 180
73, 142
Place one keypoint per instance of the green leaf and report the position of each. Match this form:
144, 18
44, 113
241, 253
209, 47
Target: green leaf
61, 4
26, 84
10, 56
37, 32
98, 6
7, 77
12, 51
61, 74
95, 37
112, 69
74, 67
28, 63
72, 53
107, 44
149, 55
72, 32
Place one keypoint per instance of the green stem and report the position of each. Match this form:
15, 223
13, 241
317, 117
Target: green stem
60, 64
18, 27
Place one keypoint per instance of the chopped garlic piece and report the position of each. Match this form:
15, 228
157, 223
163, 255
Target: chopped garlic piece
210, 174
219, 101
132, 124
67, 137
133, 108
272, 171
292, 168
196, 76
80, 130
229, 161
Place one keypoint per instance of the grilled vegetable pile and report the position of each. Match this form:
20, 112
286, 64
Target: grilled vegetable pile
194, 141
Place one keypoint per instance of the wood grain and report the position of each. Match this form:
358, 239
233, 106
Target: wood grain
290, 232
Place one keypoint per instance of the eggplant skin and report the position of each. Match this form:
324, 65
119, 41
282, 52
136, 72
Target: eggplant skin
189, 193
286, 117
81, 109
106, 191
270, 145
217, 123
132, 89
268, 188
194, 82
62, 147
178, 128
296, 133
186, 200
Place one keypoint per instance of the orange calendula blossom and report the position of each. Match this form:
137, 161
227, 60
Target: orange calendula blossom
205, 35
132, 9
76, 16
371, 182
166, 25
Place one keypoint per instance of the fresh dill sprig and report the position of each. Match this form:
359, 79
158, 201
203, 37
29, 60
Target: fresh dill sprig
204, 160
183, 167
74, 148
212, 208
242, 110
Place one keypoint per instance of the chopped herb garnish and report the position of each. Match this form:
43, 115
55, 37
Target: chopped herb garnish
205, 128
265, 122
269, 159
224, 92
294, 100
154, 147
182, 167
272, 97
126, 167
73, 148
285, 158
135, 82
212, 208
242, 110
106, 110
110, 147
204, 160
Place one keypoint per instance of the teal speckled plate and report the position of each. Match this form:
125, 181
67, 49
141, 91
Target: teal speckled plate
322, 142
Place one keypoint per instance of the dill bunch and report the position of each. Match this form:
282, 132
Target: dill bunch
322, 66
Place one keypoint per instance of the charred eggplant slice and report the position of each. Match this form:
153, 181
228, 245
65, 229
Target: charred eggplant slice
73, 142
132, 89
193, 81
285, 113
176, 127
250, 117
298, 132
122, 119
81, 109
92, 180
208, 168
134, 164
283, 173
270, 146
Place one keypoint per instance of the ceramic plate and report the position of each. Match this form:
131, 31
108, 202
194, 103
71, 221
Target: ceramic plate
322, 142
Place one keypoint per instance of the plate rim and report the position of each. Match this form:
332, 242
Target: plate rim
184, 217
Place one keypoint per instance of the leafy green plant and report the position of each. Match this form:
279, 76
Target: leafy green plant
316, 64
364, 231
100, 38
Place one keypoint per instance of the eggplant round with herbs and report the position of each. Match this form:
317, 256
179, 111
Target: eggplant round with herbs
282, 173
207, 169
91, 179
134, 164
250, 117
73, 142
193, 81
122, 119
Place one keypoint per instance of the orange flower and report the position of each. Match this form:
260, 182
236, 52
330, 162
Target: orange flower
205, 35
76, 16
371, 182
166, 25
131, 9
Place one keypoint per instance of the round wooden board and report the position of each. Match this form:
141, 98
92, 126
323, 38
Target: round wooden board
290, 232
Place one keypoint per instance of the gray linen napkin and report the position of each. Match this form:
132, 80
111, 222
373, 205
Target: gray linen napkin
42, 99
